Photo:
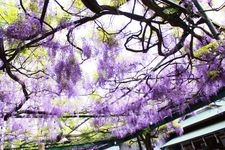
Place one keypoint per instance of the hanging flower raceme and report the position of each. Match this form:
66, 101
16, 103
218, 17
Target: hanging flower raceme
24, 29
52, 47
87, 51
67, 73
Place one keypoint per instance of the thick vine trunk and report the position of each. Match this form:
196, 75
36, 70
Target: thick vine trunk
147, 141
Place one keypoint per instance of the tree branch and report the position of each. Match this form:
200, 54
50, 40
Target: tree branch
44, 10
208, 22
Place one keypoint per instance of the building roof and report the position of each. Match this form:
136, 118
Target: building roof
198, 133
206, 112
202, 114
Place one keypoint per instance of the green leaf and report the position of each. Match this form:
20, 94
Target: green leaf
206, 49
9, 12
78, 4
71, 122
213, 74
34, 6
117, 3
170, 10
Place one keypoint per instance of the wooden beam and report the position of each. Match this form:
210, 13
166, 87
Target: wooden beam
41, 146
1, 147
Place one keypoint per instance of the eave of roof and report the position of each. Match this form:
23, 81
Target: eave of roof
198, 133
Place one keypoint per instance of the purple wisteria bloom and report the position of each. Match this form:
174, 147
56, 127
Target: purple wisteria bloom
24, 29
